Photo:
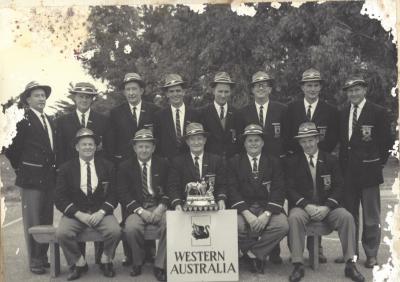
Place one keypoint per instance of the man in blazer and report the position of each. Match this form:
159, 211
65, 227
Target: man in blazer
131, 116
172, 121
141, 186
315, 189
83, 94
365, 141
220, 119
313, 109
194, 166
271, 116
31, 154
257, 191
85, 194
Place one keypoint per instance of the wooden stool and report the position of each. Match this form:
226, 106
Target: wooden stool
315, 229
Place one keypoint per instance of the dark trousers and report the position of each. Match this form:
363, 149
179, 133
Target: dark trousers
37, 209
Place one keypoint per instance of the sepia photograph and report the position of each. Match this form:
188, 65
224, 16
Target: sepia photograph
189, 141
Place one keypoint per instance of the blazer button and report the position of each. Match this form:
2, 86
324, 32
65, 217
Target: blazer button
348, 148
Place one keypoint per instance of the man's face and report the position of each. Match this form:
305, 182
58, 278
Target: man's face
37, 99
83, 101
253, 145
144, 150
86, 148
196, 143
311, 90
175, 95
309, 144
133, 92
356, 94
222, 93
261, 90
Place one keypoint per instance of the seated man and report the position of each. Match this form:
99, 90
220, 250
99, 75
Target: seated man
315, 186
141, 180
85, 195
194, 166
257, 191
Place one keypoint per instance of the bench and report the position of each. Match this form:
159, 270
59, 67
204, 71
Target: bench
46, 234
315, 229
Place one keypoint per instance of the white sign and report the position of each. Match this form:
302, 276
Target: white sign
202, 246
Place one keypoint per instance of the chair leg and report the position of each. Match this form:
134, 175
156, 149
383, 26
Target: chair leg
315, 252
54, 259
157, 241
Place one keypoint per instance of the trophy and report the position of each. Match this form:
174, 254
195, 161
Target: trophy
200, 195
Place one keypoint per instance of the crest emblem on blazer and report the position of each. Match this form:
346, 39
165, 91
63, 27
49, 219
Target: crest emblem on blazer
322, 131
267, 185
366, 131
106, 186
327, 181
277, 129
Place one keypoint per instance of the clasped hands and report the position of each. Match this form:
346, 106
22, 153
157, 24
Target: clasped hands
257, 224
155, 216
91, 220
317, 213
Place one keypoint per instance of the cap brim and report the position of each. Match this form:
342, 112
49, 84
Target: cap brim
269, 80
213, 83
307, 135
311, 80
46, 88
204, 133
83, 92
95, 137
355, 84
173, 84
140, 82
143, 139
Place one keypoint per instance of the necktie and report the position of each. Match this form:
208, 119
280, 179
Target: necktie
311, 160
255, 168
178, 125
89, 180
197, 167
309, 113
261, 116
221, 115
83, 120
44, 124
144, 181
134, 116
353, 128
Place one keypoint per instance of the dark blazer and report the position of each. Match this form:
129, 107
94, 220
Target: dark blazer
167, 144
267, 189
299, 182
368, 149
124, 128
69, 124
30, 154
274, 129
325, 117
182, 172
129, 182
69, 198
221, 141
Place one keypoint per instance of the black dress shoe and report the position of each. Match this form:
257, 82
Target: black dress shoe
256, 265
46, 264
38, 270
126, 261
136, 271
297, 273
108, 269
322, 258
370, 262
160, 274
76, 271
352, 272
275, 259
339, 260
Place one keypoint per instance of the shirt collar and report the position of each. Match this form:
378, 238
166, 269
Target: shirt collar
218, 106
138, 106
200, 156
313, 105
148, 163
360, 105
265, 106
315, 156
251, 158
37, 112
181, 108
79, 113
83, 162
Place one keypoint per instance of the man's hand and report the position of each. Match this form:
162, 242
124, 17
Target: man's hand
322, 213
83, 217
96, 217
221, 205
158, 213
178, 208
311, 210
264, 219
252, 220
146, 216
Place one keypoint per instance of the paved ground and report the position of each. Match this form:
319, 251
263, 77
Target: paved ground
17, 269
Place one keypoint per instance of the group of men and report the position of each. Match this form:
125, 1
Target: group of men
142, 157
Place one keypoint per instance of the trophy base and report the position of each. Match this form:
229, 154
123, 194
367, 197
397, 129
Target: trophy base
195, 207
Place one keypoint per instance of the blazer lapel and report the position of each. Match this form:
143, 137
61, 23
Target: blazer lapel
305, 163
91, 121
190, 164
142, 115
320, 168
229, 116
76, 174
316, 112
214, 113
253, 113
37, 124
262, 166
205, 165
155, 177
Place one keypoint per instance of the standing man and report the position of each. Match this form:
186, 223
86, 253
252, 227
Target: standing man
312, 109
315, 188
83, 95
257, 191
271, 116
365, 141
172, 121
85, 194
220, 119
31, 154
194, 166
141, 185
131, 116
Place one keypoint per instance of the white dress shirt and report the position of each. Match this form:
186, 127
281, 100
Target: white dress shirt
313, 106
137, 111
49, 133
200, 161
93, 175
87, 113
265, 108
181, 116
218, 108
359, 109
148, 168
257, 161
